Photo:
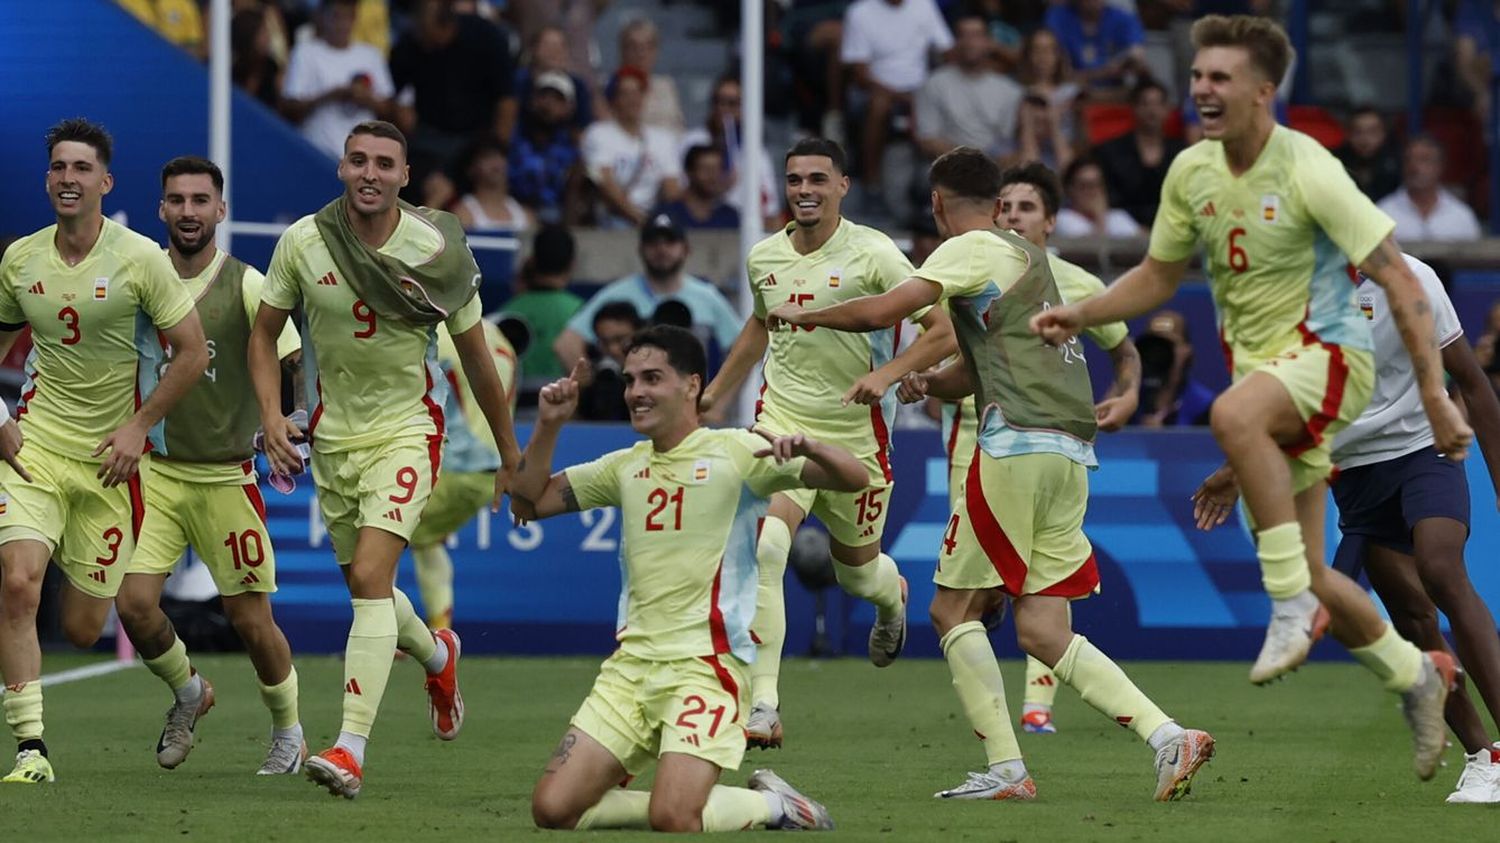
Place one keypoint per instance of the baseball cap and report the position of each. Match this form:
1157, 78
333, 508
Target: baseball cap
556, 80
662, 225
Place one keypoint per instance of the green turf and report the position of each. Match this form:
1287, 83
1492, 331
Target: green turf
1323, 757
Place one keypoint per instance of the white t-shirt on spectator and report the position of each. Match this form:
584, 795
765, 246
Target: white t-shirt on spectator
976, 110
894, 40
770, 176
639, 163
1451, 219
315, 69
1117, 223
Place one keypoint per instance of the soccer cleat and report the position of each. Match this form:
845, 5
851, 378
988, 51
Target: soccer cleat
798, 812
176, 739
337, 771
1038, 722
1423, 706
888, 638
1289, 638
444, 701
32, 767
287, 755
1479, 783
987, 785
1178, 761
763, 727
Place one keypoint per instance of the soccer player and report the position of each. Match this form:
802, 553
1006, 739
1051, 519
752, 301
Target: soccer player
1280, 222
1404, 514
471, 459
95, 295
676, 690
1017, 531
202, 491
821, 257
374, 278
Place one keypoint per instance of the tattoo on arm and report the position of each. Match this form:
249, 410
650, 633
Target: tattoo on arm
570, 498
561, 755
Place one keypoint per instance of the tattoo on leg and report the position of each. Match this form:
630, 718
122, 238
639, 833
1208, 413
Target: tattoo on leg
561, 755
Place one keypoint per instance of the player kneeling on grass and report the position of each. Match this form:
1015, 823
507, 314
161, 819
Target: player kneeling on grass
677, 689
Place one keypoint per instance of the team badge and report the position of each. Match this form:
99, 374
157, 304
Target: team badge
101, 289
835, 277
700, 471
1367, 305
4, 503
1270, 207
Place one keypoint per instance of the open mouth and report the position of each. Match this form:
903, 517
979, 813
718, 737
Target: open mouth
368, 192
69, 196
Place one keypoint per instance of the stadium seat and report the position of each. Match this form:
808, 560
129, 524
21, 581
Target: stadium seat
1106, 121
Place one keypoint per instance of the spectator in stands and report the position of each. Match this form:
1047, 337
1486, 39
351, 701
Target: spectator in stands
639, 45
1422, 208
1135, 164
603, 399
546, 305
631, 165
722, 132
1088, 212
664, 251
702, 204
178, 21
548, 53
455, 77
1474, 52
810, 34
888, 43
965, 102
546, 161
333, 84
488, 206
1005, 38
1169, 395
254, 66
372, 25
1047, 127
1369, 156
1105, 43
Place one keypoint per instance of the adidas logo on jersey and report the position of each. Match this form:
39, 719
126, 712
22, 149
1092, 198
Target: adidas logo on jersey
770, 280
37, 289
250, 579
394, 515
352, 687
643, 474
328, 280
1208, 210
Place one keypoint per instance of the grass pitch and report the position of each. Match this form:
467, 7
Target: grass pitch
1324, 756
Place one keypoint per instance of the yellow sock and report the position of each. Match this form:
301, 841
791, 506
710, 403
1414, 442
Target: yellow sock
981, 690
412, 636
771, 552
281, 699
172, 667
1395, 660
367, 662
877, 581
620, 808
1041, 684
435, 583
1283, 560
735, 809
23, 710
1103, 685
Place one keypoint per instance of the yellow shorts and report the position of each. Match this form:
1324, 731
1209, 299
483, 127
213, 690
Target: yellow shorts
90, 531
386, 487
1018, 527
224, 523
853, 519
642, 709
456, 499
1330, 386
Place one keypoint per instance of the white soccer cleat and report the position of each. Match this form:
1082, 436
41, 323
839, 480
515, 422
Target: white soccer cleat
287, 754
987, 785
176, 739
1178, 761
888, 638
798, 812
32, 767
763, 727
1423, 707
1289, 638
1479, 783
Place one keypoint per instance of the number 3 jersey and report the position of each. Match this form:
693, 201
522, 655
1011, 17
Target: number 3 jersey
690, 517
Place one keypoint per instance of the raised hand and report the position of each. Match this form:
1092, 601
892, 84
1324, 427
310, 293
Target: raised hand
557, 400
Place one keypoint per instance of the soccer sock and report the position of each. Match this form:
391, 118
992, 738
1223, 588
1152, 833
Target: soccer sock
1041, 685
23, 711
619, 808
1103, 685
877, 581
281, 699
981, 690
367, 664
354, 745
771, 552
1283, 560
173, 668
735, 809
435, 583
1164, 734
1395, 660
413, 637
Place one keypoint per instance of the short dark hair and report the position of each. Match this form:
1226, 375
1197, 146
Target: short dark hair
619, 311
684, 351
1142, 87
696, 152
966, 173
1364, 110
1039, 176
1078, 165
380, 129
81, 130
552, 250
1423, 139
819, 146
1270, 50
192, 165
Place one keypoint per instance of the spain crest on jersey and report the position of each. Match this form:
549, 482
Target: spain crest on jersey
101, 289
835, 277
1270, 207
700, 471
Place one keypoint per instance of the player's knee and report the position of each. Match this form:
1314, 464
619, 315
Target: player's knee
675, 818
82, 632
1228, 420
20, 593
135, 611
552, 813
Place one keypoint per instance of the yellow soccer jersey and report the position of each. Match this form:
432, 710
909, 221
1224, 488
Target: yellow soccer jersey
369, 378
1075, 284
808, 370
94, 328
471, 444
689, 518
1279, 240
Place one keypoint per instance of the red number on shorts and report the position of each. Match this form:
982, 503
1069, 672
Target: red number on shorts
247, 548
1239, 259
950, 538
691, 701
660, 498
801, 299
363, 313
112, 539
718, 713
69, 318
406, 478
870, 506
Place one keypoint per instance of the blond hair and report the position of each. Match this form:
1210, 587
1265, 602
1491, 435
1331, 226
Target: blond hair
1270, 50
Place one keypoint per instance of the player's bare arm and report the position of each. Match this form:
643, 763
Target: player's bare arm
1413, 315
1124, 396
950, 383
936, 344
1145, 288
11, 439
861, 315
535, 492
489, 393
748, 349
265, 373
189, 361
828, 466
1479, 397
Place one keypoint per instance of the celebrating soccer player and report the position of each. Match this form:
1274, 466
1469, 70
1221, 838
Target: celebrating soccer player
95, 295
1280, 222
374, 278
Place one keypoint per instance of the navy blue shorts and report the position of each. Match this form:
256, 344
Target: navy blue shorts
1382, 502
